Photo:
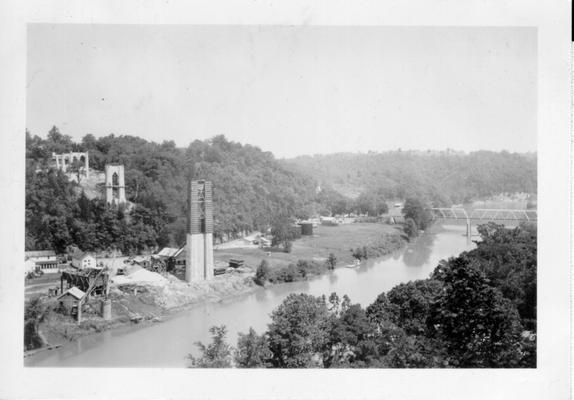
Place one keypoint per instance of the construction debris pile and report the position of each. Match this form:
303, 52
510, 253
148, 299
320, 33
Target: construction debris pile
168, 292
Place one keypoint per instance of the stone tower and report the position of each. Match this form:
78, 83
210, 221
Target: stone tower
199, 246
115, 184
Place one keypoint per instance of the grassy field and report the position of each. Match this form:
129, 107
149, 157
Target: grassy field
326, 239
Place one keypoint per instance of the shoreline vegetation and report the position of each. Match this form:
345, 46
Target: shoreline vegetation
475, 310
144, 303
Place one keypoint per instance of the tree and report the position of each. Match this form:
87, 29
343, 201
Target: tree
58, 142
298, 332
479, 326
372, 203
360, 253
283, 233
351, 339
35, 313
215, 355
411, 228
252, 350
508, 258
409, 304
416, 210
262, 273
331, 261
415, 352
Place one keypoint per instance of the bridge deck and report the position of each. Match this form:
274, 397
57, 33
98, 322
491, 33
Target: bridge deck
485, 214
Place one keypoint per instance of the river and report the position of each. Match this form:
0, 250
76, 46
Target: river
166, 344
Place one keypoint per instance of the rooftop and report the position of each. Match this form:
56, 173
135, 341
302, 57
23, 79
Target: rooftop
40, 253
75, 292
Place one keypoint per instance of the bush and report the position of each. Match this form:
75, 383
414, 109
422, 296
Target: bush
252, 350
216, 354
262, 273
410, 228
418, 211
361, 253
331, 261
297, 272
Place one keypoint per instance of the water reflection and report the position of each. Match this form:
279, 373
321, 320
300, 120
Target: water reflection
418, 252
332, 278
261, 295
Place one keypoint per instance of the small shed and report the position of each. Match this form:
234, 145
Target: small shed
306, 228
70, 299
235, 263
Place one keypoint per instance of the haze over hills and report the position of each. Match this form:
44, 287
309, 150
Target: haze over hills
445, 178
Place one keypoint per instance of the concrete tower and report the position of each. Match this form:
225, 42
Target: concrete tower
199, 247
115, 184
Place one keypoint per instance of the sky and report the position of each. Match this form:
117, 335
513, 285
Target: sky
289, 90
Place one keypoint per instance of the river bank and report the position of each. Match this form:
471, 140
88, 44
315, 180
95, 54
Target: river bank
151, 298
139, 303
167, 344
340, 240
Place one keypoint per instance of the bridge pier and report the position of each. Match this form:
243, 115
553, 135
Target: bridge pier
468, 228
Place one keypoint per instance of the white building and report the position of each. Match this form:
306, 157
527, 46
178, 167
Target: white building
83, 261
44, 260
29, 266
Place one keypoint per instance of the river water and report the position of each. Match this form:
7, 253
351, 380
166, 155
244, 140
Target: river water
166, 344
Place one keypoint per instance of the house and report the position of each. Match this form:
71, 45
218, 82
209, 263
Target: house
29, 266
70, 299
171, 254
143, 261
180, 256
167, 252
83, 261
44, 260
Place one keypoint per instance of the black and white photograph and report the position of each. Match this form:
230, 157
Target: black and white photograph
360, 198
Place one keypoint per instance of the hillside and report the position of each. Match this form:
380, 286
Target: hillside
251, 189
442, 177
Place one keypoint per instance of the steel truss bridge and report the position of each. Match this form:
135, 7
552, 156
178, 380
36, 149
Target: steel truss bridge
483, 215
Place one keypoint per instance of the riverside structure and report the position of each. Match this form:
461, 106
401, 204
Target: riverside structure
199, 241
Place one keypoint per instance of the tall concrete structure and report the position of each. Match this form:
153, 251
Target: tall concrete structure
64, 161
115, 184
199, 257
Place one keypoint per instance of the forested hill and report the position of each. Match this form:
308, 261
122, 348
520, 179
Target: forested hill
443, 178
251, 188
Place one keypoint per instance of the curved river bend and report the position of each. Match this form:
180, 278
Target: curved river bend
166, 344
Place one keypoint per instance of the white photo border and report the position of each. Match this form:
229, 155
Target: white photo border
552, 377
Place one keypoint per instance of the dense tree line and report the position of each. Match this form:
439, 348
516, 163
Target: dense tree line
477, 310
443, 178
251, 189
